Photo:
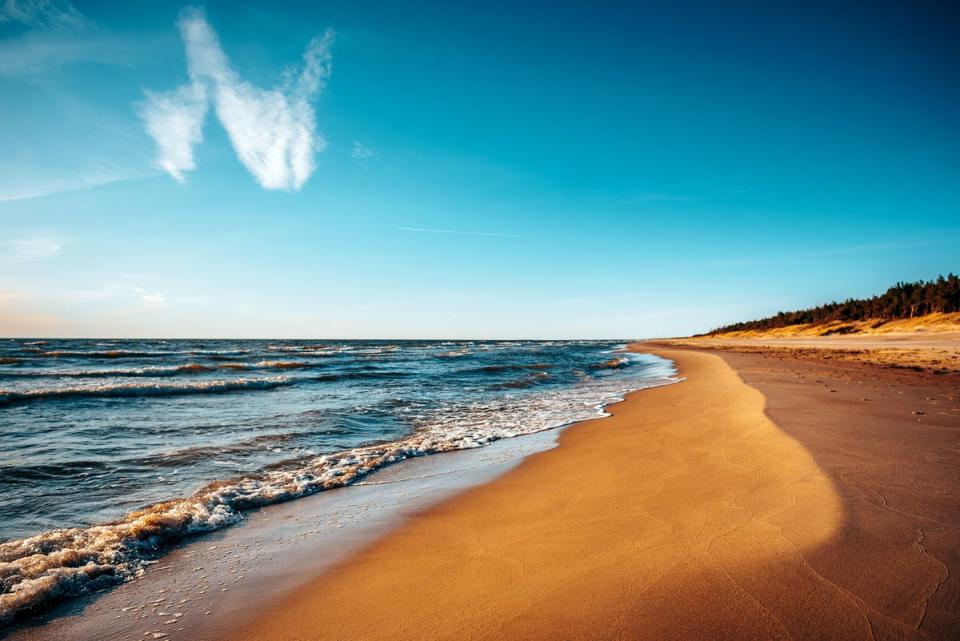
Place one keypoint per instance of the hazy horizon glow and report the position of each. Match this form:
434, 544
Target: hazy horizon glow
369, 170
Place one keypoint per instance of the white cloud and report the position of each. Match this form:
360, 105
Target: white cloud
361, 151
273, 131
124, 297
174, 119
150, 298
28, 249
41, 13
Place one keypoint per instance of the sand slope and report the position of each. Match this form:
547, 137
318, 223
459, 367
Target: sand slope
936, 323
937, 352
686, 515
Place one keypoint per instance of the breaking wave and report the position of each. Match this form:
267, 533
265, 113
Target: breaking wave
110, 353
156, 372
141, 389
39, 569
613, 363
350, 408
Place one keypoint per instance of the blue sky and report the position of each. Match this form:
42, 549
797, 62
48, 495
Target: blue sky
440, 170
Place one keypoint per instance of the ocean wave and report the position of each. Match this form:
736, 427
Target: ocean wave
313, 350
455, 353
22, 473
50, 566
359, 376
110, 353
12, 473
522, 383
140, 389
496, 369
267, 365
159, 371
216, 352
37, 570
613, 363
373, 352
171, 370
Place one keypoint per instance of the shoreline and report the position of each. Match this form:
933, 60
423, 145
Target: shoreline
329, 526
688, 494
759, 484
271, 552
600, 533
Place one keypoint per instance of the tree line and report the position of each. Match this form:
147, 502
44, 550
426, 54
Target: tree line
903, 300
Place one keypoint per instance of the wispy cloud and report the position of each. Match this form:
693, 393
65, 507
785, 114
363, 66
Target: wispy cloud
273, 131
91, 145
870, 248
150, 298
361, 151
57, 35
458, 232
174, 119
39, 52
873, 247
29, 249
123, 296
40, 187
801, 256
653, 196
41, 13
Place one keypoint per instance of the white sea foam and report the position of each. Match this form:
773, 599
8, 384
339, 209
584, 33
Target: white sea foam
140, 389
158, 371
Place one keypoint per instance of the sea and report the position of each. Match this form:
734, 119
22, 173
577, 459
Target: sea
111, 451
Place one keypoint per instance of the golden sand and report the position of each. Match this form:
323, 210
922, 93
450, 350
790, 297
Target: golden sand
934, 351
929, 323
686, 515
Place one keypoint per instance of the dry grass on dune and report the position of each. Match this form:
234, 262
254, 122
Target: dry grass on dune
930, 343
930, 323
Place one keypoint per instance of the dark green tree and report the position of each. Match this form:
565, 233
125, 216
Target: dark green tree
903, 300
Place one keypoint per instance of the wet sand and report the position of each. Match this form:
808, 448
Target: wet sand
204, 587
700, 510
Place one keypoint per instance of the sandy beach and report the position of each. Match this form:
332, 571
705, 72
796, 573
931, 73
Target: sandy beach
933, 352
777, 492
765, 497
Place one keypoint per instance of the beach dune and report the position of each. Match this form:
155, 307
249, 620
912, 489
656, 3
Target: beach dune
687, 514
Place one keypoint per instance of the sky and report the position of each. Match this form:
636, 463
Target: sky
467, 170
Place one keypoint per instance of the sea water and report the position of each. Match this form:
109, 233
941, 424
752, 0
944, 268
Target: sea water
111, 450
